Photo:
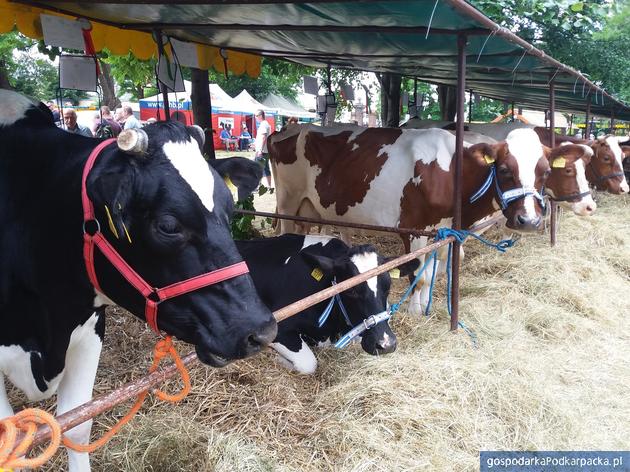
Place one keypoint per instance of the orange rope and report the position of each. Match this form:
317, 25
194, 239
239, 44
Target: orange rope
27, 420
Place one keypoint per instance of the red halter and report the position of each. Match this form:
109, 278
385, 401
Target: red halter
153, 296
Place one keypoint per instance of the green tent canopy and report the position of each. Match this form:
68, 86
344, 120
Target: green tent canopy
415, 38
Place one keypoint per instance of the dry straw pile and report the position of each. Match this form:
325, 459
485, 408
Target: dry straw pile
551, 373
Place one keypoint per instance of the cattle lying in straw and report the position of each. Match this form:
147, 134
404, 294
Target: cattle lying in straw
291, 267
158, 205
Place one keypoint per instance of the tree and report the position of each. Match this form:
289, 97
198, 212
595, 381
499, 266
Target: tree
200, 98
390, 99
131, 74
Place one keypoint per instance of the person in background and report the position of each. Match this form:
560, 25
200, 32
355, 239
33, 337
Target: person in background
245, 138
105, 126
55, 112
131, 122
71, 125
262, 154
292, 120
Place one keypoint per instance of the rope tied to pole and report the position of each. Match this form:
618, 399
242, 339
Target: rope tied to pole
459, 236
29, 419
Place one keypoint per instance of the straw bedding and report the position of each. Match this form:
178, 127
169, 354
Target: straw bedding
551, 373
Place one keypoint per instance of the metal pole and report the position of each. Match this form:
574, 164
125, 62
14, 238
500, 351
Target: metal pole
513, 116
587, 129
552, 129
612, 121
459, 159
470, 105
164, 89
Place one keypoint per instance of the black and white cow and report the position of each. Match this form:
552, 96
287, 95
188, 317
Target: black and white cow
290, 267
176, 212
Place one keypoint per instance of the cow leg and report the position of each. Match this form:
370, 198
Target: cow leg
77, 383
416, 303
5, 406
295, 354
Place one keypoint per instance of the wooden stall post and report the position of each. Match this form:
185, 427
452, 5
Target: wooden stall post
459, 158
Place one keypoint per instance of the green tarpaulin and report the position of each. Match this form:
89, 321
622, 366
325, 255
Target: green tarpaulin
414, 38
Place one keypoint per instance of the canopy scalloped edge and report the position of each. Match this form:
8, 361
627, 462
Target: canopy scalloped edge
122, 41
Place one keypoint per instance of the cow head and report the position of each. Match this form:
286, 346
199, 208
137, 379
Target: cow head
567, 182
521, 169
605, 170
363, 300
168, 214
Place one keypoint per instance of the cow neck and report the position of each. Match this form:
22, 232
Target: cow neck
483, 206
94, 238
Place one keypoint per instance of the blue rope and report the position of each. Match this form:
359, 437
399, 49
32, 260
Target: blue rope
460, 236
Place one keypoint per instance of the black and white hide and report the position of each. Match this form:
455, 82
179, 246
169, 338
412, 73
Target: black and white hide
169, 215
291, 267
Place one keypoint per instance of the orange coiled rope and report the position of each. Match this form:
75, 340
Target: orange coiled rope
28, 420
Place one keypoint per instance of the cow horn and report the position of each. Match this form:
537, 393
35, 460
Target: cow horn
133, 141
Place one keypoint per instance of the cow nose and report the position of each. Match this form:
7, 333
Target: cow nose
257, 340
527, 223
386, 345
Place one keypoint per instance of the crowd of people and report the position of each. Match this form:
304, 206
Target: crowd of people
104, 123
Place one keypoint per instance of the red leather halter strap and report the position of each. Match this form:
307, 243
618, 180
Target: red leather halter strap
93, 237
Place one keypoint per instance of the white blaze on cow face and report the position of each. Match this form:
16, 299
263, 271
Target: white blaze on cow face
14, 107
311, 240
613, 142
187, 159
586, 205
365, 262
526, 148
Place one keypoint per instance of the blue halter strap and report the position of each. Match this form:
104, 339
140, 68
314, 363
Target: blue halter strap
355, 331
509, 196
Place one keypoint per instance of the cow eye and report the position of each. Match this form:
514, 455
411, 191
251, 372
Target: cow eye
168, 224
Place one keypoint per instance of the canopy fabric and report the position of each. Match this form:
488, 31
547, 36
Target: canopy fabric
221, 101
247, 102
415, 38
123, 41
285, 107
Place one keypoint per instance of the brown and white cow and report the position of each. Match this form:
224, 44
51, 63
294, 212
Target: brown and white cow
605, 171
394, 177
567, 183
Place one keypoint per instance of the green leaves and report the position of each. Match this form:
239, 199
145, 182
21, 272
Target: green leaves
577, 7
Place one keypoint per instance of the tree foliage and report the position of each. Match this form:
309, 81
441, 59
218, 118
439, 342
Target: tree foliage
132, 75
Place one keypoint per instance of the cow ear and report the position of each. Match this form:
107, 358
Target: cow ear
484, 154
243, 173
405, 269
197, 133
317, 261
111, 193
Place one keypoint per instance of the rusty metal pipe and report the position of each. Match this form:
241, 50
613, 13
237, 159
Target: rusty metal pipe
385, 229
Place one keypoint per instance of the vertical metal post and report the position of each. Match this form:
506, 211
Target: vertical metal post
612, 121
552, 129
587, 129
415, 91
470, 105
513, 116
163, 88
459, 160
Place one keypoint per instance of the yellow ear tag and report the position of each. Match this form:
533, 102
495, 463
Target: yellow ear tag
112, 228
394, 273
317, 274
126, 233
229, 183
559, 163
488, 159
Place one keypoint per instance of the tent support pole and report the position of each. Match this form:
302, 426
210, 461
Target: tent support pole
612, 120
470, 105
459, 158
552, 129
587, 129
163, 88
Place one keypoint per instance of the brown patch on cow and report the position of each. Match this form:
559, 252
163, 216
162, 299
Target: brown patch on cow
603, 164
347, 168
562, 180
544, 134
282, 148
